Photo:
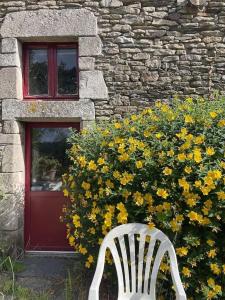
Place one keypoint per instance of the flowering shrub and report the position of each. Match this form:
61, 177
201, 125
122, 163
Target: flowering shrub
164, 167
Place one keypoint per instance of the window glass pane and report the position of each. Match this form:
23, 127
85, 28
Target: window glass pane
38, 72
67, 69
49, 159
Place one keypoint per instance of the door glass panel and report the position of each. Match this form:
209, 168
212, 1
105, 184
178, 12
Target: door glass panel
67, 69
49, 159
38, 72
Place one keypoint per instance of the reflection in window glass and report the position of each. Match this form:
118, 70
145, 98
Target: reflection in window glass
66, 67
49, 159
38, 72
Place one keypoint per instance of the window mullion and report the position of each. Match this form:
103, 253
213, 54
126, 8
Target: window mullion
50, 71
55, 70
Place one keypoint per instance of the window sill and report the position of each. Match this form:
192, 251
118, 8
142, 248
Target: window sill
36, 98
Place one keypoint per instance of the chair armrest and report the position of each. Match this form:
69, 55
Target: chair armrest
93, 294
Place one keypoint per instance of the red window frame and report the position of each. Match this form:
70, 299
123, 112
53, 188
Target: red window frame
52, 70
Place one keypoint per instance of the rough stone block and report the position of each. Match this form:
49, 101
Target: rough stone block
9, 60
71, 111
86, 63
122, 28
111, 3
141, 56
124, 40
9, 45
8, 213
11, 83
87, 124
14, 139
12, 159
11, 127
90, 46
162, 22
155, 33
92, 85
11, 182
49, 23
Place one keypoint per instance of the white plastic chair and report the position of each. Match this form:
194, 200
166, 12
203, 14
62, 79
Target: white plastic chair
136, 287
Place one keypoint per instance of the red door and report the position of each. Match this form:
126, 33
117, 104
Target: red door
46, 161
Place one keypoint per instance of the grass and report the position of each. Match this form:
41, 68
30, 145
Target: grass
18, 292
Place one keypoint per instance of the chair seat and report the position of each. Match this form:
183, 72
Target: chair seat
131, 296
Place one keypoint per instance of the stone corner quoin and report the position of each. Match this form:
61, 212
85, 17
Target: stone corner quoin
54, 23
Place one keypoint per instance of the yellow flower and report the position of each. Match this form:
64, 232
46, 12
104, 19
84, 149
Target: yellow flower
139, 164
105, 169
186, 272
181, 157
217, 288
162, 193
212, 253
123, 157
65, 193
193, 216
199, 139
92, 230
182, 251
148, 197
221, 123
215, 269
216, 174
211, 282
82, 250
197, 155
116, 174
170, 153
188, 170
86, 185
159, 135
166, 206
191, 202
109, 184
88, 194
82, 161
101, 161
188, 119
210, 242
92, 166
213, 114
126, 178
72, 240
210, 151
147, 133
184, 184
183, 133
198, 183
221, 195
90, 259
151, 225
167, 171
122, 216
117, 125
76, 221
138, 198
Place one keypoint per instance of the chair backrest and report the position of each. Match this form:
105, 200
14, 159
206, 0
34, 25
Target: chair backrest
136, 271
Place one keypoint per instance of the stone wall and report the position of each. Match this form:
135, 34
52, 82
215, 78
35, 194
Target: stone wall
143, 50
151, 49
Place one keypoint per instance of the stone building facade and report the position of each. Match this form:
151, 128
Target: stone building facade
131, 52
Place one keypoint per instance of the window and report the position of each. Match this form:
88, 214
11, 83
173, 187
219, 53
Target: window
50, 71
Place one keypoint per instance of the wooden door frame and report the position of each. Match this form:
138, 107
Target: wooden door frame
28, 160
